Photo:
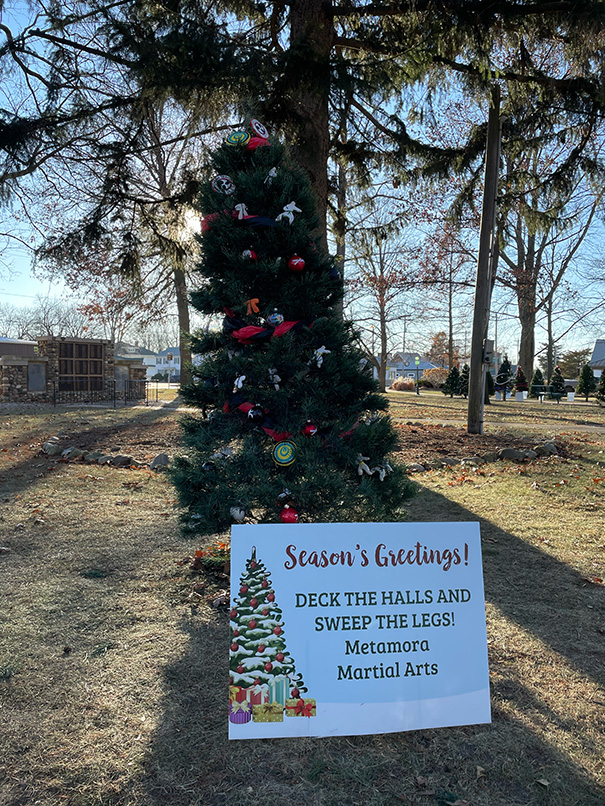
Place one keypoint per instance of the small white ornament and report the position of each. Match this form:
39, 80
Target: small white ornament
241, 211
318, 355
274, 379
224, 453
382, 470
238, 514
239, 382
362, 467
270, 177
288, 213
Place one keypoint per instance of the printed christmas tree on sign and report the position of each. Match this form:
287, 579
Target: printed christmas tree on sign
259, 654
291, 427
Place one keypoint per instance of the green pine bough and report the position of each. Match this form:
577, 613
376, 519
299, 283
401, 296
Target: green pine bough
291, 426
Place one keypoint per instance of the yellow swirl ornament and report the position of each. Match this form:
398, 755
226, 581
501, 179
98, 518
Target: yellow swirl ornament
237, 138
284, 453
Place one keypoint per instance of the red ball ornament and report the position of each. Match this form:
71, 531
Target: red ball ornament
252, 624
309, 429
253, 565
261, 648
277, 630
279, 657
240, 669
234, 647
266, 611
256, 142
257, 681
271, 597
253, 602
296, 263
235, 633
288, 515
243, 589
264, 584
268, 666
233, 613
295, 693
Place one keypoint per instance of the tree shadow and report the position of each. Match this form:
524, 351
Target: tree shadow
191, 762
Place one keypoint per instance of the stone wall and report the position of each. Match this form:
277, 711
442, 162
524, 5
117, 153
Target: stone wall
14, 374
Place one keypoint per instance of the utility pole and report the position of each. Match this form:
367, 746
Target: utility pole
484, 268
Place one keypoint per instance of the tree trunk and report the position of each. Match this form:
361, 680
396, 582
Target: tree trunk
382, 374
182, 304
527, 347
311, 38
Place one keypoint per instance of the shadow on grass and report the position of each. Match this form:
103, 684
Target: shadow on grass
17, 478
192, 762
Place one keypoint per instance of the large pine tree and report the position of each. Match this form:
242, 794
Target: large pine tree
291, 426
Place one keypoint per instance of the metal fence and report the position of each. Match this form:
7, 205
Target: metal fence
114, 393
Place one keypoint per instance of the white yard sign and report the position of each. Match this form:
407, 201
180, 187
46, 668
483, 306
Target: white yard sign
356, 628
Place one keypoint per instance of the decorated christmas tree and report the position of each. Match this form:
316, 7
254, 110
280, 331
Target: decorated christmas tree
557, 381
587, 383
536, 380
520, 381
451, 386
504, 379
291, 424
464, 377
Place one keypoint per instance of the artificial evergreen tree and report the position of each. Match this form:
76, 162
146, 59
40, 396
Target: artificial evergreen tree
451, 386
557, 382
504, 378
587, 383
520, 381
291, 425
464, 378
536, 380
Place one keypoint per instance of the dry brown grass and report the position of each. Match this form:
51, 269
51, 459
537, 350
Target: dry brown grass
113, 682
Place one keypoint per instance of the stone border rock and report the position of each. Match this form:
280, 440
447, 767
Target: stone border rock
72, 454
547, 448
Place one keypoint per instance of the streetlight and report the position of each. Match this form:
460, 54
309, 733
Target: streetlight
417, 360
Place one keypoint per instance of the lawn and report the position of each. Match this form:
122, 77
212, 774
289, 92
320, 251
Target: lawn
113, 661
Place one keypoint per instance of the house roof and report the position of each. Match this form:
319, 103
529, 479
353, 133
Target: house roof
131, 349
598, 355
174, 350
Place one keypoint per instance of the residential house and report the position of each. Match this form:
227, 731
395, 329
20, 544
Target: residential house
124, 352
168, 362
597, 362
404, 365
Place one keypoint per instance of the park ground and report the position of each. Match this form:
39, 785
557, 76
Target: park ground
113, 661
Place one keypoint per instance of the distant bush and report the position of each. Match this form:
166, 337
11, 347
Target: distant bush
403, 385
435, 377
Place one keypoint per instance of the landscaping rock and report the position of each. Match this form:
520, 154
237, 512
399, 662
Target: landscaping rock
51, 448
92, 457
490, 457
551, 448
512, 453
72, 453
415, 468
106, 459
474, 461
435, 464
161, 461
450, 461
121, 460
540, 450
530, 454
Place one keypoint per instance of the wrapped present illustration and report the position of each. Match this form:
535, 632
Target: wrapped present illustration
239, 712
268, 712
258, 695
278, 689
237, 694
301, 707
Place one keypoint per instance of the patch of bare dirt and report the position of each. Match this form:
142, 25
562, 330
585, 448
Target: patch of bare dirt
423, 443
